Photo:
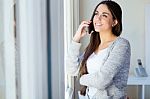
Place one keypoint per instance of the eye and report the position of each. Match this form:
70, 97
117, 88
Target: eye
104, 15
96, 13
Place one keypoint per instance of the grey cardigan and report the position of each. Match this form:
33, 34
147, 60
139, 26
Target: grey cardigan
111, 78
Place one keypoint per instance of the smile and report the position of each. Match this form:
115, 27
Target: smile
98, 24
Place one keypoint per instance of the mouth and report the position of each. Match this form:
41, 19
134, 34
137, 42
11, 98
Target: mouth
98, 24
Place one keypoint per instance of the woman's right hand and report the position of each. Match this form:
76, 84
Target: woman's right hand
81, 32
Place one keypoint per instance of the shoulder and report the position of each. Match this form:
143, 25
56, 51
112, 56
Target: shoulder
122, 42
120, 45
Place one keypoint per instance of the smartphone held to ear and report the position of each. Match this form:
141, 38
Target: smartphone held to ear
86, 29
89, 29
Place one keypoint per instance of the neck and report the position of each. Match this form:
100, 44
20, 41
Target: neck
107, 37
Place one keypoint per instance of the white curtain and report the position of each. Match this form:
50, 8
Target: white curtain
32, 35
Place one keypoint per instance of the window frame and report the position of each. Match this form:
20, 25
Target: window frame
71, 22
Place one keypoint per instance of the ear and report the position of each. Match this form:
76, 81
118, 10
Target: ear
115, 22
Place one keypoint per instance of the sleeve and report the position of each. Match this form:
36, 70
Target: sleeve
72, 59
118, 56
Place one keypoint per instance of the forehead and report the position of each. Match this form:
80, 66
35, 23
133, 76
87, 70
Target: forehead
103, 8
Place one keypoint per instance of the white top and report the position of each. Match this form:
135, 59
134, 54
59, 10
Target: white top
94, 63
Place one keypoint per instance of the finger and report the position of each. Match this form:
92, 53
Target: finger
83, 26
89, 21
85, 22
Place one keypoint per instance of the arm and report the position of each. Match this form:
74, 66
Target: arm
72, 59
118, 56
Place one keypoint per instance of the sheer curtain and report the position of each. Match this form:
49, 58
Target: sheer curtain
32, 42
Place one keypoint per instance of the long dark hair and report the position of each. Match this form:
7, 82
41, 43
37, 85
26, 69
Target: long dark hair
95, 41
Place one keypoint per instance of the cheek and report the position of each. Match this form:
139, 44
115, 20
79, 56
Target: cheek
109, 22
94, 19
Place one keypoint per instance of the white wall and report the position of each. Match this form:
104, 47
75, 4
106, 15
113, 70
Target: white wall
147, 36
133, 27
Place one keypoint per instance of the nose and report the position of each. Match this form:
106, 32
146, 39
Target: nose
99, 17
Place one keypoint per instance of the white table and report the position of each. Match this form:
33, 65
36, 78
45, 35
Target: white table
139, 81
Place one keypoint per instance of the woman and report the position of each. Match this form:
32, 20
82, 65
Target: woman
104, 65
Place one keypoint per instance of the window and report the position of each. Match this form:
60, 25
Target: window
71, 20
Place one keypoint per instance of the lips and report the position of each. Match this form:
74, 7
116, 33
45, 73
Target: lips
98, 24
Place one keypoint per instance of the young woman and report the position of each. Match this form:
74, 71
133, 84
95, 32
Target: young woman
104, 65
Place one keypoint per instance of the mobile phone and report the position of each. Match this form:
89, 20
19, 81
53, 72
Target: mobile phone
86, 29
90, 28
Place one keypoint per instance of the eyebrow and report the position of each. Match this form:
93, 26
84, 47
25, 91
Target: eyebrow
104, 12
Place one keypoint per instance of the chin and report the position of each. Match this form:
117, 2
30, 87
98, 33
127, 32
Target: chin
97, 30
